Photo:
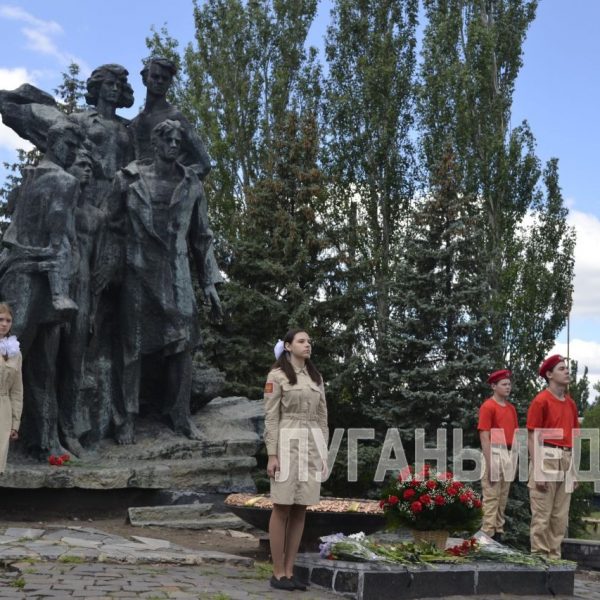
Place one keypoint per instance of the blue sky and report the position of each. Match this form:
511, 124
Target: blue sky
557, 92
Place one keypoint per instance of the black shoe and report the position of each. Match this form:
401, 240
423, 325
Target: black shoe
282, 584
298, 585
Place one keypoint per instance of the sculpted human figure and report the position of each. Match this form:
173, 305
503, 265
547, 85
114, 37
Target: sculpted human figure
111, 146
36, 270
74, 418
157, 75
161, 211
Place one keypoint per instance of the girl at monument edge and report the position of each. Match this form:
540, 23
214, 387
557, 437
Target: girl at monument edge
295, 410
11, 384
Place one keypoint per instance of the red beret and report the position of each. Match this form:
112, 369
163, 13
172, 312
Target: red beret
549, 364
496, 376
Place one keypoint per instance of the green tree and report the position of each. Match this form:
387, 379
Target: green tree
442, 340
472, 55
276, 268
368, 115
579, 388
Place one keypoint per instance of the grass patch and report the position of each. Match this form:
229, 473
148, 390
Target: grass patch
71, 559
263, 570
18, 583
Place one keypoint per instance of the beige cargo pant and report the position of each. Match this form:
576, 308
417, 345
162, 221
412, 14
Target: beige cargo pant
495, 496
550, 508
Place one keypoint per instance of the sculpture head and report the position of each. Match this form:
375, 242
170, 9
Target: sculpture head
64, 140
166, 140
110, 82
158, 74
82, 166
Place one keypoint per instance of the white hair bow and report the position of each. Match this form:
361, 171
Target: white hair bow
278, 349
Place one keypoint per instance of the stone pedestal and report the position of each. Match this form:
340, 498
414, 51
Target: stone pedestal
221, 462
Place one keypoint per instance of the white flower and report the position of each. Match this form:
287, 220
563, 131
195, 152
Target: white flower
359, 537
9, 346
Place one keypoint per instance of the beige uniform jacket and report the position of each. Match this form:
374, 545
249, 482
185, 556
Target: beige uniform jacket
11, 401
296, 431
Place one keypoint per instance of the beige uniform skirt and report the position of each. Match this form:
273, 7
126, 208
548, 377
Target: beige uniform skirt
296, 431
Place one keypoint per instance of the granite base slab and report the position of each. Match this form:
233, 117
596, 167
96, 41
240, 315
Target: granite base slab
371, 581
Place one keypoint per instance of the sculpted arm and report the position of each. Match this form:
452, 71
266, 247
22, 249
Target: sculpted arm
201, 243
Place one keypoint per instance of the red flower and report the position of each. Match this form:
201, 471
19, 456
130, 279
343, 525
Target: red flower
381, 503
393, 500
440, 500
65, 457
431, 484
416, 507
452, 491
477, 503
408, 494
473, 542
425, 499
464, 498
449, 475
414, 483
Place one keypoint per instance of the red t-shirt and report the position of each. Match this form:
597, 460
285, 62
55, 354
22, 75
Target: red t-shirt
494, 416
546, 411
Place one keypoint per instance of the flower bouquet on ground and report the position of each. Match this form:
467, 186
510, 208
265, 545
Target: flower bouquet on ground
429, 501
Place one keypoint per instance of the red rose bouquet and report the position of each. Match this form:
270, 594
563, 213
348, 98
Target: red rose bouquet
429, 501
59, 461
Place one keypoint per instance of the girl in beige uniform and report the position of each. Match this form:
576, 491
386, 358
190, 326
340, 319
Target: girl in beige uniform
296, 437
11, 384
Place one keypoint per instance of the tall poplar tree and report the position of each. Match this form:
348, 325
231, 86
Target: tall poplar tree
472, 54
369, 93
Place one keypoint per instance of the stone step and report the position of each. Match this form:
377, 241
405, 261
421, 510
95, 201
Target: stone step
184, 516
211, 474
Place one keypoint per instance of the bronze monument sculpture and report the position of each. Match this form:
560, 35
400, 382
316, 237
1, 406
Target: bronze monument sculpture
95, 261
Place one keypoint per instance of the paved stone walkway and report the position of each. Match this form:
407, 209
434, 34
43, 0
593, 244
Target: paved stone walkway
87, 564
86, 581
72, 544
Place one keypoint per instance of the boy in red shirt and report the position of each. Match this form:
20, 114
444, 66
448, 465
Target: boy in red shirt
497, 425
551, 475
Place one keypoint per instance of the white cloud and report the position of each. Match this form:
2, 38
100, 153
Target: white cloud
16, 13
587, 354
9, 80
586, 299
40, 35
12, 78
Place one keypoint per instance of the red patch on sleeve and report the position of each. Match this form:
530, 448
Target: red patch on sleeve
269, 387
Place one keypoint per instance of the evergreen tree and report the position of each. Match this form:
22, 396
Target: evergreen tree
442, 340
276, 267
